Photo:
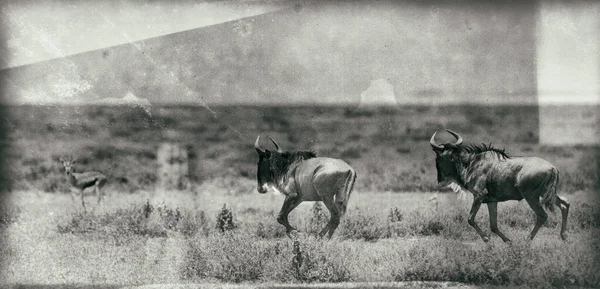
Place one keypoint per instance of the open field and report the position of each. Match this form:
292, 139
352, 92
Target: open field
393, 232
384, 237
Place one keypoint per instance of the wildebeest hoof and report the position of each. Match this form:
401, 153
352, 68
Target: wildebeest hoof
292, 234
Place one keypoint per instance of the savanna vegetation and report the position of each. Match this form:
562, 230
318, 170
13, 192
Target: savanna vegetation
220, 230
387, 146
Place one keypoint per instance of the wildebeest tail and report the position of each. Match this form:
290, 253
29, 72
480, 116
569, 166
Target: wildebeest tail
349, 186
549, 195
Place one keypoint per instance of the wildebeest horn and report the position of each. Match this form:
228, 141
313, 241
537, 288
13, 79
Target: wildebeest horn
279, 150
459, 139
257, 146
433, 144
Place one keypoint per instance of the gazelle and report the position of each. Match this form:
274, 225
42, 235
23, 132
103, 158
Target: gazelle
82, 181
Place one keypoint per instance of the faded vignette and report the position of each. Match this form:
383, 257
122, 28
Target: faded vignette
346, 77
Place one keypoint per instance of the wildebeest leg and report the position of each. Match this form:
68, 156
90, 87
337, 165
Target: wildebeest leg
288, 205
564, 210
98, 193
472, 215
82, 200
493, 209
541, 215
334, 219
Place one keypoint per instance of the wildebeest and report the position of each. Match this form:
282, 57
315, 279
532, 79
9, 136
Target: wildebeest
492, 176
302, 176
82, 181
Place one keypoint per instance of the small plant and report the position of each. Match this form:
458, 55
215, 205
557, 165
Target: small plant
318, 218
9, 215
433, 227
297, 259
225, 220
169, 216
312, 263
193, 224
362, 225
395, 215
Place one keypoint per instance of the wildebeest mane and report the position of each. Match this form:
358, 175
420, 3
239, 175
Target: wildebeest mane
299, 155
281, 162
477, 149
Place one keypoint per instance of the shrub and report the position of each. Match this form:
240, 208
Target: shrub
229, 257
519, 264
361, 225
395, 215
8, 214
317, 220
194, 223
225, 220
235, 257
311, 263
144, 219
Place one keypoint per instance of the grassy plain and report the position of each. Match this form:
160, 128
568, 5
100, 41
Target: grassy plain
392, 231
173, 237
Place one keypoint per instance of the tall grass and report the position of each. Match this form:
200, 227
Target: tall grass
241, 258
391, 243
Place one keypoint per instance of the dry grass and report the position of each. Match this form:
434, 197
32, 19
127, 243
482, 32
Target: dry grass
118, 244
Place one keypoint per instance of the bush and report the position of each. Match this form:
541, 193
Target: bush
235, 257
225, 220
145, 220
360, 225
519, 264
317, 219
229, 257
311, 263
8, 214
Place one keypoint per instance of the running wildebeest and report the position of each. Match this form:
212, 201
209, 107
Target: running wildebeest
82, 181
492, 176
302, 176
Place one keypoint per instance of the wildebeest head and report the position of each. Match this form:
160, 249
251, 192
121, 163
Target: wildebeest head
273, 165
446, 157
265, 174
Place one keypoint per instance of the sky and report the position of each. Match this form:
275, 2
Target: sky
350, 46
43, 30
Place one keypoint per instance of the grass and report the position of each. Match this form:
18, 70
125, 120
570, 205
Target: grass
178, 237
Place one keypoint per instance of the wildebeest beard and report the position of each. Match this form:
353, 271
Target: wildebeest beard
281, 162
